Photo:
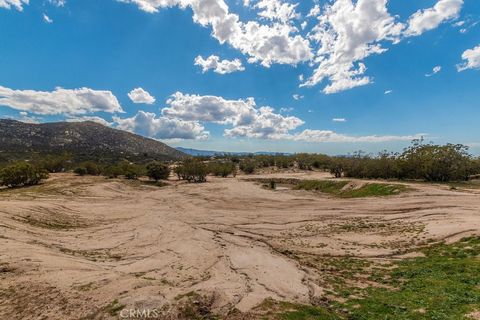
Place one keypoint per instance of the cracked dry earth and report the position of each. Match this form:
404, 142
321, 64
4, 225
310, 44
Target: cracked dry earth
71, 246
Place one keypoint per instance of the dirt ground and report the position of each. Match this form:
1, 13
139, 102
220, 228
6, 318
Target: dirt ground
87, 247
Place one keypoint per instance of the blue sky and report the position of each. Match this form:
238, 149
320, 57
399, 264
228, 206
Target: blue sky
270, 75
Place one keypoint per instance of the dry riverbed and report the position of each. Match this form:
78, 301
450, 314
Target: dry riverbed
89, 247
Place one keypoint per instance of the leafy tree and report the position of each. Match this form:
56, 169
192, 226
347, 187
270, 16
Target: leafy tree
57, 163
21, 174
436, 163
130, 170
192, 170
112, 171
92, 168
158, 171
222, 169
285, 162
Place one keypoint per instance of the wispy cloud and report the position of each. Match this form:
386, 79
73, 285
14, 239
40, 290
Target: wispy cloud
47, 19
435, 70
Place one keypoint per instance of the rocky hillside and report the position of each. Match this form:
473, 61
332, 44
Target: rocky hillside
81, 139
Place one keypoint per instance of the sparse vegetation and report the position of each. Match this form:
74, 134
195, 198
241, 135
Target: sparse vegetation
21, 174
130, 170
158, 171
222, 169
81, 171
338, 188
247, 166
192, 170
112, 171
343, 188
443, 284
420, 161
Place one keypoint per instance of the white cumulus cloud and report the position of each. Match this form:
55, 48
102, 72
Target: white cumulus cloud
347, 33
96, 119
60, 101
247, 119
428, 19
17, 4
472, 59
339, 120
150, 125
219, 66
277, 10
140, 95
266, 44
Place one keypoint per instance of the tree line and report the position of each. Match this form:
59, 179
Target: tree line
419, 161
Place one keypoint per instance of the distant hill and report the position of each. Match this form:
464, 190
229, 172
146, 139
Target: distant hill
83, 140
209, 153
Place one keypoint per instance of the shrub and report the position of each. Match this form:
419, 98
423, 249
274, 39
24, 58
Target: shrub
336, 167
304, 161
192, 170
92, 168
112, 171
284, 161
427, 162
222, 169
265, 160
81, 171
158, 171
21, 174
272, 184
247, 166
436, 163
130, 170
55, 163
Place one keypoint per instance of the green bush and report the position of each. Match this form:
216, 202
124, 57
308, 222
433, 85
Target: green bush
130, 170
158, 171
55, 163
92, 168
112, 171
284, 161
192, 170
420, 161
81, 171
222, 169
265, 161
21, 174
304, 161
247, 166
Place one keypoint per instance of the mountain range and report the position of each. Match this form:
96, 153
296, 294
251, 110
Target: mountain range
83, 140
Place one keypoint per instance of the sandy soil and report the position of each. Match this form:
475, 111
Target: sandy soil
70, 247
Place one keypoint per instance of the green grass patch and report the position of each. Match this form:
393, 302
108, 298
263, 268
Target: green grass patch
280, 310
338, 189
327, 186
442, 285
445, 284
